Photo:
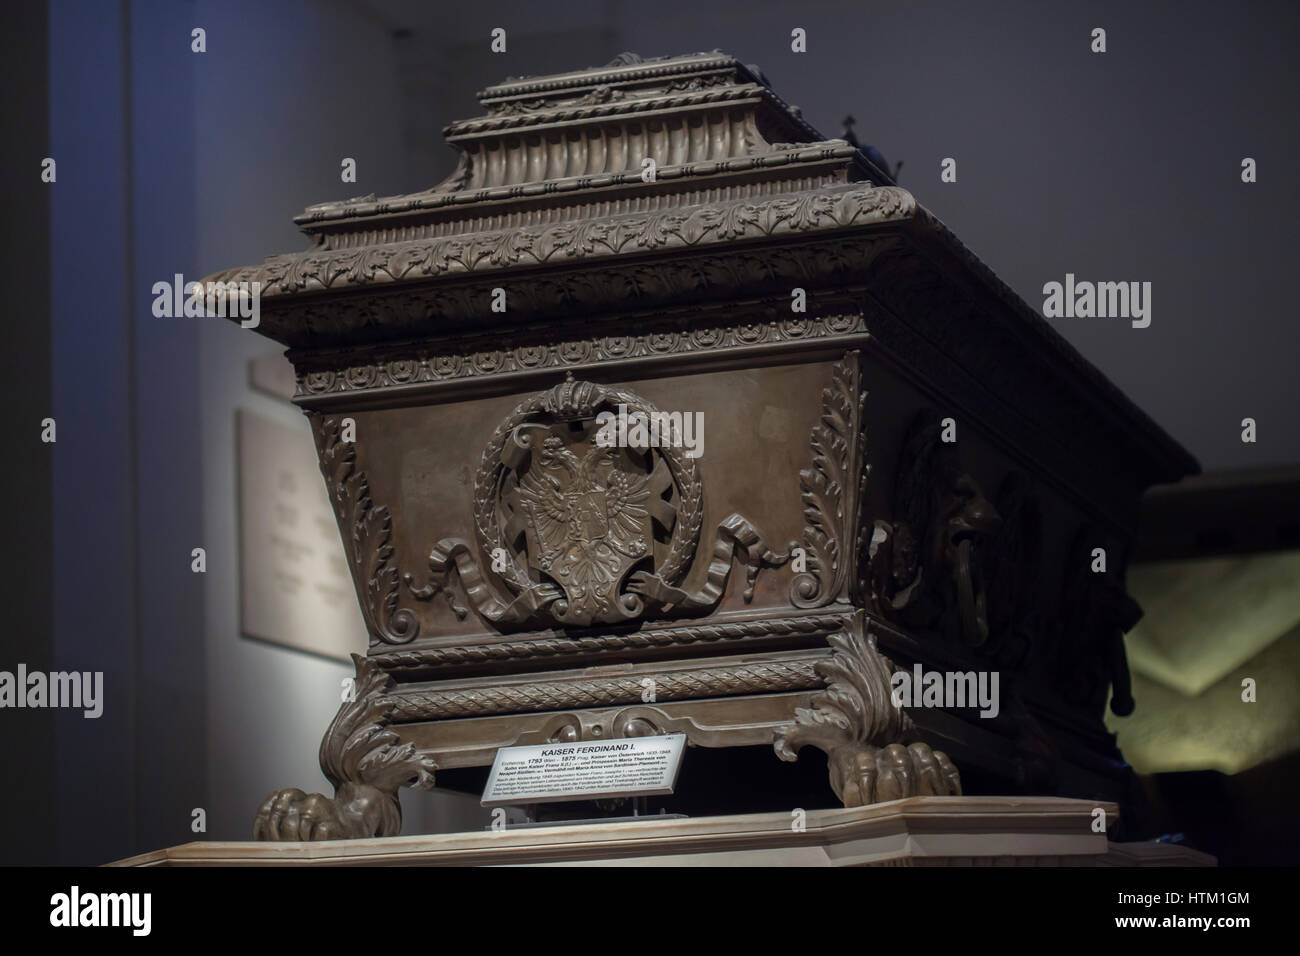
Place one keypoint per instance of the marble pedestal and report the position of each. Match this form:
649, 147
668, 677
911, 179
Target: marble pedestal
918, 831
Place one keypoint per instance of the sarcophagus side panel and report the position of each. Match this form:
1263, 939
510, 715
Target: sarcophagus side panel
454, 470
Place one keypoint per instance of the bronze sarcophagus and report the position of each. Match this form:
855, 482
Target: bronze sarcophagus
665, 414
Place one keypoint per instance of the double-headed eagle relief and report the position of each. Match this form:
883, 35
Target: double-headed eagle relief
585, 519
575, 531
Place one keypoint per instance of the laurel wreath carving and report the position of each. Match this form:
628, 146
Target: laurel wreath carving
686, 476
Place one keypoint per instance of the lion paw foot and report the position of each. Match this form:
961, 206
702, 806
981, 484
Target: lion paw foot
864, 775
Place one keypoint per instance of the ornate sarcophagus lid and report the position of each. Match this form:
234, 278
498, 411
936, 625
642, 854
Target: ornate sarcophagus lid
665, 414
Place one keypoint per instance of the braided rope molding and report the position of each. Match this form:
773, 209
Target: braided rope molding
646, 638
719, 224
773, 677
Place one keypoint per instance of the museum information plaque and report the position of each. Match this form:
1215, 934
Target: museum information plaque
295, 588
589, 770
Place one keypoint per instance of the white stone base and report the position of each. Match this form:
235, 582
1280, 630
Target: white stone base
918, 831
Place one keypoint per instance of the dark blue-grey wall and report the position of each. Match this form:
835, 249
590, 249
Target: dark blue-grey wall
127, 483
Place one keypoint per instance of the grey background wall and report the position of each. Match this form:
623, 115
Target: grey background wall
1116, 166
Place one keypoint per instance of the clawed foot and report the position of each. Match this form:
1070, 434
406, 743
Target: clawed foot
862, 775
291, 815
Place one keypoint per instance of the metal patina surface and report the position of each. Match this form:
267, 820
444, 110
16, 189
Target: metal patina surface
524, 581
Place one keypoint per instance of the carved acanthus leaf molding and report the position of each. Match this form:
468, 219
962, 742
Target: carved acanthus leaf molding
367, 532
621, 284
857, 704
362, 757
827, 488
863, 733
566, 241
